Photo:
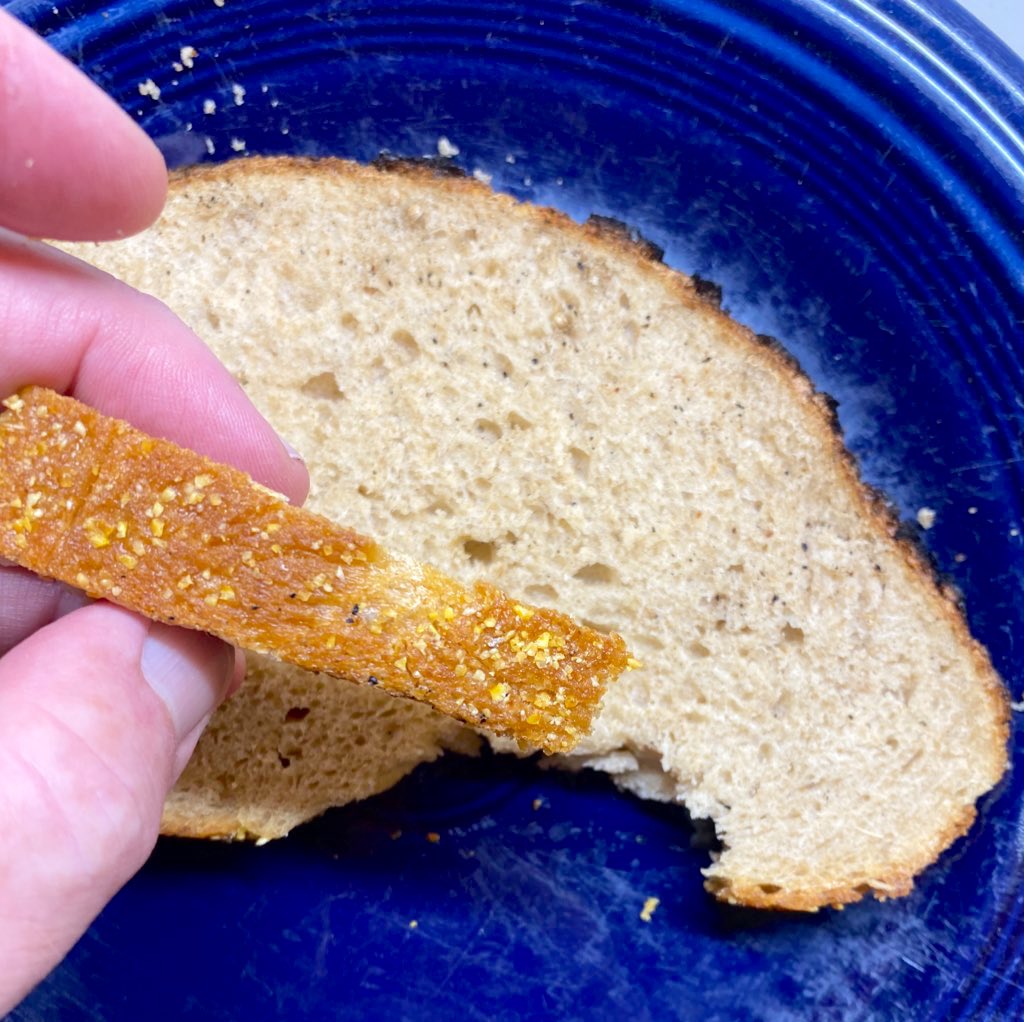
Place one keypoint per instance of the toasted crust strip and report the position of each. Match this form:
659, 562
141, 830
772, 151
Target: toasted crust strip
97, 504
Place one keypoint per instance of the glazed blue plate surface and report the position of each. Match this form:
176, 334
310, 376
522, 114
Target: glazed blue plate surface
852, 173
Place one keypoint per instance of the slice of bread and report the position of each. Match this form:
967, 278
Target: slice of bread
499, 391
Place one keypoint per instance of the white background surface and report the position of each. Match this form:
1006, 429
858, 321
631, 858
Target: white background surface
1004, 17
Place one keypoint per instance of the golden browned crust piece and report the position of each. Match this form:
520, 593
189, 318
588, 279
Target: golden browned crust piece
141, 522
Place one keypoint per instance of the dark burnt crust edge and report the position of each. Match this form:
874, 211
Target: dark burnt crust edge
622, 233
438, 166
877, 507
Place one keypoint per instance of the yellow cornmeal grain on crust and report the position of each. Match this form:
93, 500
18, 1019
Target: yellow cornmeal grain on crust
93, 502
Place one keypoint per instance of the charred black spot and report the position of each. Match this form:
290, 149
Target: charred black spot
613, 228
707, 290
439, 166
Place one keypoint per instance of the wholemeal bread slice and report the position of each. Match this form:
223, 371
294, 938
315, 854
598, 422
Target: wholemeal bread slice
503, 393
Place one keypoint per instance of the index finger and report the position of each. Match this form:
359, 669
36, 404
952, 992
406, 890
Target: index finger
73, 165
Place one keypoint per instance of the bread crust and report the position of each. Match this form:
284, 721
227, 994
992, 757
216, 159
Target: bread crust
139, 521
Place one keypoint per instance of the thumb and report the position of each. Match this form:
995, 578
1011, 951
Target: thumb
98, 714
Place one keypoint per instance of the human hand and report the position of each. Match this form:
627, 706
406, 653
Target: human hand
99, 708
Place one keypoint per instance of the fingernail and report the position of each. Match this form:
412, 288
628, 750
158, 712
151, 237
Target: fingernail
292, 452
189, 671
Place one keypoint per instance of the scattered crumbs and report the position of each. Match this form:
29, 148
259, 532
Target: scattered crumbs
559, 181
187, 56
1018, 706
395, 834
959, 558
1014, 532
537, 803
433, 837
926, 517
149, 88
528, 182
218, 3
209, 106
972, 510
210, 147
177, 67
261, 841
29, 163
510, 158
482, 176
238, 91
238, 144
446, 149
413, 923
275, 102
264, 88
648, 910
284, 129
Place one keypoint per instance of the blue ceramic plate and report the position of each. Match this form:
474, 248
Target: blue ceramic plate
852, 172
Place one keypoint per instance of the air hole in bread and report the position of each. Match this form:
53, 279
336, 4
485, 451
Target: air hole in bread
541, 594
516, 421
793, 635
439, 507
479, 550
324, 386
736, 569
296, 713
909, 687
212, 318
597, 574
580, 462
783, 704
406, 344
489, 428
647, 643
699, 650
765, 751
349, 321
770, 888
284, 761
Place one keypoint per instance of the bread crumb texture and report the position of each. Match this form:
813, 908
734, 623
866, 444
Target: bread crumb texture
506, 394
